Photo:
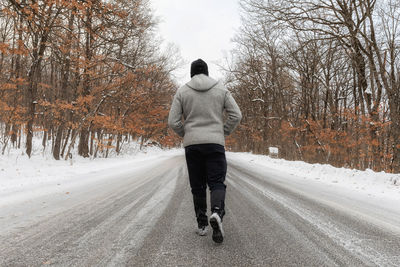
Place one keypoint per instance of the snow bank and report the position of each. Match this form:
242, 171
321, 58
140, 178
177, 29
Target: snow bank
369, 182
19, 173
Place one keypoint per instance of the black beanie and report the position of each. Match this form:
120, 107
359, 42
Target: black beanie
198, 67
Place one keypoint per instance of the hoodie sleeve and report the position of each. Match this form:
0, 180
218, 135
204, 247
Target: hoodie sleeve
234, 114
175, 116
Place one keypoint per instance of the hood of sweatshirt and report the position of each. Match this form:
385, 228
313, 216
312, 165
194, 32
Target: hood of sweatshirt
202, 82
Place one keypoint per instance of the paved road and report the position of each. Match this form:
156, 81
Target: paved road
145, 218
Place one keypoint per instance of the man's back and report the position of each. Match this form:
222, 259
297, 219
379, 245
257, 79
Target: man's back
202, 102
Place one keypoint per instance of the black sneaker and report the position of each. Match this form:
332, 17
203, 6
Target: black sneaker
216, 224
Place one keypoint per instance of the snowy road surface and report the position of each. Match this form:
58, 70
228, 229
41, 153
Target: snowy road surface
143, 216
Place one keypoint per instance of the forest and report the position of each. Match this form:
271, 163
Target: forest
82, 73
319, 79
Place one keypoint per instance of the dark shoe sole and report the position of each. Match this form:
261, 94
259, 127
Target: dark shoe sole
217, 235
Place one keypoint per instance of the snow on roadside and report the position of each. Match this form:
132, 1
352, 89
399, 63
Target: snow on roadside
19, 173
368, 181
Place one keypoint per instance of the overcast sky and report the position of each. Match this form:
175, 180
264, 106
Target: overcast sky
201, 29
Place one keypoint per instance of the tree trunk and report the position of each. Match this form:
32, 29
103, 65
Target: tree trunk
119, 138
84, 135
14, 134
34, 73
57, 143
44, 140
92, 137
65, 142
63, 92
83, 148
395, 128
109, 142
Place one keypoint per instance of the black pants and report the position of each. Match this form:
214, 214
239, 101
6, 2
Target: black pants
207, 166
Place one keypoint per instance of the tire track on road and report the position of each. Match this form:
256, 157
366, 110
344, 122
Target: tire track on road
96, 230
147, 219
330, 233
173, 241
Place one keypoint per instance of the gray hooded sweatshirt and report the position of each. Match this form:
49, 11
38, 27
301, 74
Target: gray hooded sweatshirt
202, 102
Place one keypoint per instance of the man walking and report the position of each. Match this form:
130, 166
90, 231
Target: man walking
202, 102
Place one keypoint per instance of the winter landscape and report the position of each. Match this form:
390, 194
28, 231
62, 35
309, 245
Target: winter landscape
93, 174
127, 211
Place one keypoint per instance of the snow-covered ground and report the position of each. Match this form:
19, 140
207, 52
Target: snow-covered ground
369, 183
22, 176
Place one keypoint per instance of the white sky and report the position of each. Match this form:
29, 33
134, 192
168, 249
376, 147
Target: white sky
200, 29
